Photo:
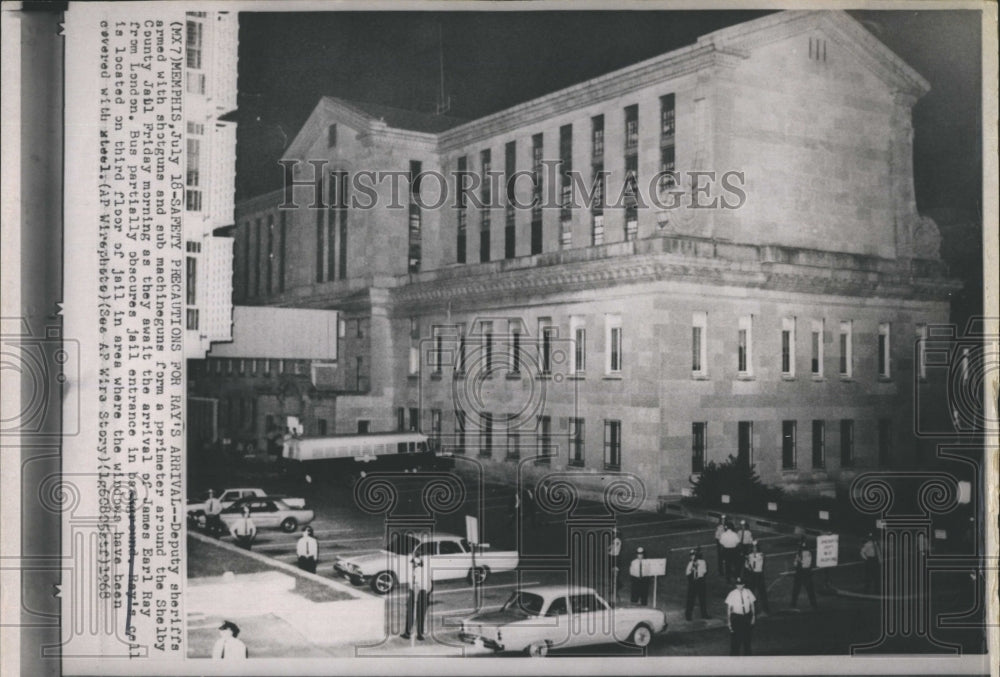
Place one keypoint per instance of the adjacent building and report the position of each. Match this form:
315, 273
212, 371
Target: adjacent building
767, 312
210, 41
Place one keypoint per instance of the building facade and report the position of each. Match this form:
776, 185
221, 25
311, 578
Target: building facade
211, 40
766, 306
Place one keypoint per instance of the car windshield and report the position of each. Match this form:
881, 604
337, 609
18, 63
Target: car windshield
401, 544
525, 602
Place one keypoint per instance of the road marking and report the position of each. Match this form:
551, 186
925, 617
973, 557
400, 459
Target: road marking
452, 591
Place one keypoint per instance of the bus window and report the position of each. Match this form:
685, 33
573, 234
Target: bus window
401, 448
421, 448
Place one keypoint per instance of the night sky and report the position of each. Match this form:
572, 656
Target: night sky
494, 60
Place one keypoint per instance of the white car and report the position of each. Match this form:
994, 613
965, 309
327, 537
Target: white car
539, 618
448, 557
196, 507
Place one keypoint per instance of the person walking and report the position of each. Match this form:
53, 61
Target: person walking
695, 572
755, 576
614, 560
418, 599
213, 512
244, 530
741, 617
731, 557
515, 508
308, 551
719, 552
803, 575
871, 555
746, 538
228, 647
640, 582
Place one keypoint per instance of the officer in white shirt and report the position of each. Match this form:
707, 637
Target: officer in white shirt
421, 586
308, 551
741, 617
695, 572
755, 575
244, 530
213, 508
614, 559
719, 529
732, 558
228, 647
746, 537
803, 575
640, 582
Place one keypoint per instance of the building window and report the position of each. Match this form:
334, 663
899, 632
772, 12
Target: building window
566, 179
597, 138
513, 439
884, 355
545, 437
514, 329
631, 196
819, 444
788, 346
320, 237
668, 167
613, 445
744, 353
578, 331
436, 428
462, 216
321, 427
545, 333
817, 348
437, 356
460, 358
632, 128
459, 432
846, 349
510, 222
846, 443
192, 318
536, 197
744, 444
192, 281
698, 434
242, 366
486, 434
920, 354
597, 229
414, 360
415, 217
193, 44
193, 163
576, 431
699, 351
613, 337
484, 215
331, 136
400, 419
787, 445
192, 200
884, 441
666, 117
414, 419
486, 329
340, 211
195, 83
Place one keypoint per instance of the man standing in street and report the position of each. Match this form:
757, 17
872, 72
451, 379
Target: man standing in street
695, 572
746, 538
419, 597
803, 575
515, 508
731, 556
244, 530
719, 530
614, 561
871, 555
308, 551
213, 522
755, 576
640, 583
228, 647
741, 617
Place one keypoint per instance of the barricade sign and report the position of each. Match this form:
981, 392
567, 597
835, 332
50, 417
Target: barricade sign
827, 550
654, 567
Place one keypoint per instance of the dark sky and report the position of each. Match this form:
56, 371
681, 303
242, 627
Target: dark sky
497, 59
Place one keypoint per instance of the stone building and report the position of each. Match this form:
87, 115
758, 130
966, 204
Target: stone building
768, 312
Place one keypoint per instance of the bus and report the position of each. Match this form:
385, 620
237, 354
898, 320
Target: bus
346, 457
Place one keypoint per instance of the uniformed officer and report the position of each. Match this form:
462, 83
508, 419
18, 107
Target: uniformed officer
719, 529
732, 558
213, 510
746, 538
244, 530
755, 575
640, 582
803, 575
741, 617
418, 599
308, 551
695, 572
614, 559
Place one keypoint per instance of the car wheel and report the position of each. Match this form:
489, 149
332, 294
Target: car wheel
538, 649
289, 524
641, 636
355, 580
478, 575
383, 582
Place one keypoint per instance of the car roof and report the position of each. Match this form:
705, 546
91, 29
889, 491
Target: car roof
424, 536
557, 590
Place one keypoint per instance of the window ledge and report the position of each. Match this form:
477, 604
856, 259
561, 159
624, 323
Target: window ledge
788, 377
544, 376
459, 375
818, 377
577, 376
436, 376
615, 468
613, 377
885, 379
575, 464
745, 377
699, 376
513, 376
847, 378
412, 377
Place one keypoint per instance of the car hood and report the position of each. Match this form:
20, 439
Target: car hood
502, 617
374, 559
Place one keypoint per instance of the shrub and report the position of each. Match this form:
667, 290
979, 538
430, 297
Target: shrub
739, 481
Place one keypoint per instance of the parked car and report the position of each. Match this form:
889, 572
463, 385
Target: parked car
196, 507
539, 618
268, 513
448, 557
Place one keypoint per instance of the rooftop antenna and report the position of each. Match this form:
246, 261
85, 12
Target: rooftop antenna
444, 102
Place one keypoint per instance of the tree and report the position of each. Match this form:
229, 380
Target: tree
737, 480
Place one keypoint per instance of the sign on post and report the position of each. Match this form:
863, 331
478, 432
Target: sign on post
654, 567
472, 529
827, 550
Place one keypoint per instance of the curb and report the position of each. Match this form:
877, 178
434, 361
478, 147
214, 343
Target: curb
354, 593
